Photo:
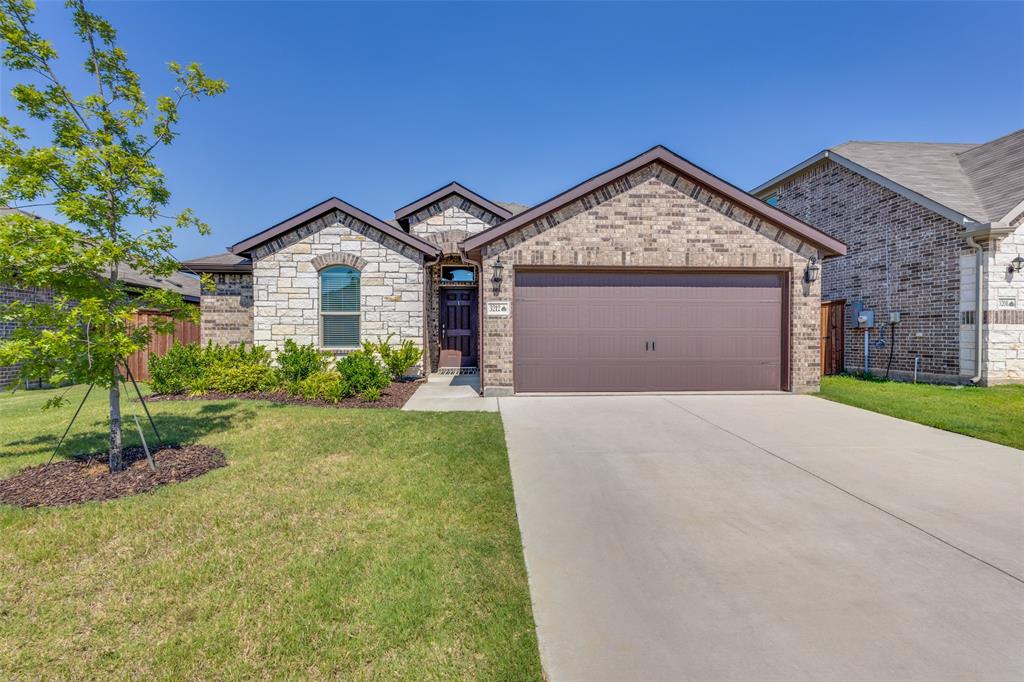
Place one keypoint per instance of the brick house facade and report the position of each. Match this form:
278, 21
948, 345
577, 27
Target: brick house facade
653, 218
9, 295
902, 257
431, 275
910, 256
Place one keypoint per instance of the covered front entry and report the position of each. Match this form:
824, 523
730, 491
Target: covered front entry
616, 330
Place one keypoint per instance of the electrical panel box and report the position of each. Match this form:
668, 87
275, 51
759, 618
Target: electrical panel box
866, 318
894, 317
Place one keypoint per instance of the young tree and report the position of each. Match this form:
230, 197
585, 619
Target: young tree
99, 173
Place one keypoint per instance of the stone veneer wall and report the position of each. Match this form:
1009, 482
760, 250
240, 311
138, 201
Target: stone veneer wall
451, 213
652, 218
445, 224
286, 286
9, 295
901, 257
225, 310
1004, 312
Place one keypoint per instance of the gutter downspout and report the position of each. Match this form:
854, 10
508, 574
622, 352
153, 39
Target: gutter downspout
978, 306
990, 231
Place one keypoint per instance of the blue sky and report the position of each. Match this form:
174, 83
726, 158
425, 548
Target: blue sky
379, 104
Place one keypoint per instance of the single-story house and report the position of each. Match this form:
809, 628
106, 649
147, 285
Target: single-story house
653, 275
185, 284
935, 267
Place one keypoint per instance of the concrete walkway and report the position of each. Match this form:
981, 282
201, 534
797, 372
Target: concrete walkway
765, 538
451, 393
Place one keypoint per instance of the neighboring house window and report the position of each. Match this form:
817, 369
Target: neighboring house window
339, 307
772, 200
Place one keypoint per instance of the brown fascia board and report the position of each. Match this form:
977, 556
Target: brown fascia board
332, 204
215, 268
660, 154
445, 192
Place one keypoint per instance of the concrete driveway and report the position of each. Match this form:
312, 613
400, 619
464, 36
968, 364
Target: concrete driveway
765, 537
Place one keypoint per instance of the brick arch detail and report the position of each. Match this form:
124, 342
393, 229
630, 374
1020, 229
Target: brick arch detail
326, 260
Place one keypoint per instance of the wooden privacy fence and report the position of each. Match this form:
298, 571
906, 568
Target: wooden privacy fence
833, 314
185, 331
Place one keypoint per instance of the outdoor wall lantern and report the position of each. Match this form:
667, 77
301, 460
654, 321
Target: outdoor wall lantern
811, 274
496, 277
1016, 265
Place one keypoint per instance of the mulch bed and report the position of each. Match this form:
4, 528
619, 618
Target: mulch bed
395, 395
87, 478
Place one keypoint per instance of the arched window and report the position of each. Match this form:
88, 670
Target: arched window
339, 307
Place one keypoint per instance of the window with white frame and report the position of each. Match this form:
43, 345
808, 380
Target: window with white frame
339, 307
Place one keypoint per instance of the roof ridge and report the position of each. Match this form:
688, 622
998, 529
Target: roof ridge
947, 144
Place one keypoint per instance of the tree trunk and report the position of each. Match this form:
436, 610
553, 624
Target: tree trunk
116, 461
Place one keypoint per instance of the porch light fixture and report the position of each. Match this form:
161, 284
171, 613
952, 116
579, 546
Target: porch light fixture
1017, 264
811, 273
496, 277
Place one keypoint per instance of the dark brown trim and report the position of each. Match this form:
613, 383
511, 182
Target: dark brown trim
445, 192
787, 329
332, 204
217, 269
659, 154
998, 316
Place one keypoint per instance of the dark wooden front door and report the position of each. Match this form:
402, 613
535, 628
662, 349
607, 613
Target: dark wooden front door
458, 327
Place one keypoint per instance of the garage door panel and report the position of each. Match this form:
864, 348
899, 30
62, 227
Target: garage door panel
589, 331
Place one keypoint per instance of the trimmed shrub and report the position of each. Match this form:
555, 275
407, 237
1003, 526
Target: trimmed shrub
296, 363
361, 370
324, 385
398, 360
175, 371
225, 378
195, 369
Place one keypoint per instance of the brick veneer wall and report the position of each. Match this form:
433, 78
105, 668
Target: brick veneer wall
226, 310
286, 286
901, 258
652, 218
9, 295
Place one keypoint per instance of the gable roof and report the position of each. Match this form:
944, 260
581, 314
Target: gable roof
980, 183
660, 154
443, 193
184, 284
219, 262
996, 170
333, 204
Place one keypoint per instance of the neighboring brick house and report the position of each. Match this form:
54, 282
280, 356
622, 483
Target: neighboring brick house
182, 283
655, 275
911, 214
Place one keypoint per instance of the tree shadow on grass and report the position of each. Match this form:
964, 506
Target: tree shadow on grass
90, 436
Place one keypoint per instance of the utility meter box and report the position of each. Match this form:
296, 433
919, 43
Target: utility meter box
866, 318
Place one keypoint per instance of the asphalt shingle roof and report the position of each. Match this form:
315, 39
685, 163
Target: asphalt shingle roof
185, 284
981, 181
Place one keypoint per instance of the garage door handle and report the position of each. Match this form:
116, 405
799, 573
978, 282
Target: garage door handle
647, 345
654, 345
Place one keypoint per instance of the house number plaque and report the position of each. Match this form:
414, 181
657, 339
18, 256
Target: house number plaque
498, 308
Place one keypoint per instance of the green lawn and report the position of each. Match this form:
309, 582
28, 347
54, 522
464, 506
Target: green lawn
995, 413
336, 543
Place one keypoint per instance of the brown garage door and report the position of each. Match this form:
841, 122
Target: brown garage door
590, 330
